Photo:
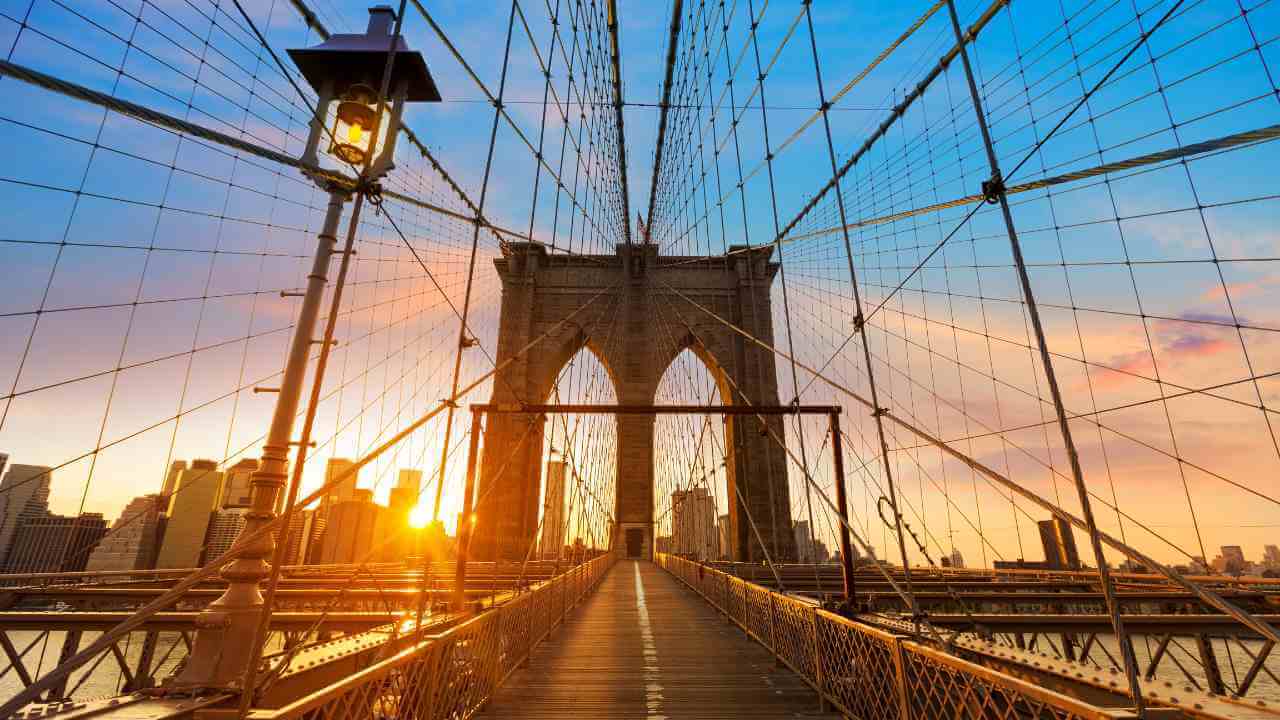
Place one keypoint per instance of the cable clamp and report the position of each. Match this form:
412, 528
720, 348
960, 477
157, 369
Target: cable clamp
467, 342
449, 403
878, 412
859, 321
993, 189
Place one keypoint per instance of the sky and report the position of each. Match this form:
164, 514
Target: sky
142, 271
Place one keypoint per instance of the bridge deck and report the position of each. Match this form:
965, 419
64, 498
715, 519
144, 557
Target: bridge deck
643, 646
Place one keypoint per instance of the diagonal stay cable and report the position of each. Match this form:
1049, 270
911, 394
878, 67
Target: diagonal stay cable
109, 637
1204, 594
1000, 181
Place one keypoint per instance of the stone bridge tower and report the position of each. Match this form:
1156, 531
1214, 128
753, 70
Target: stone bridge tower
636, 327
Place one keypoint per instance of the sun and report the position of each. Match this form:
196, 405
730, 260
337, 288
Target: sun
419, 517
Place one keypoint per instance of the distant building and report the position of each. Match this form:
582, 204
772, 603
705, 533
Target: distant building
722, 530
134, 539
349, 530
196, 496
820, 552
236, 489
24, 495
343, 491
551, 543
693, 523
1059, 543
305, 530
410, 480
955, 559
55, 543
1231, 561
1271, 557
224, 528
804, 542
171, 484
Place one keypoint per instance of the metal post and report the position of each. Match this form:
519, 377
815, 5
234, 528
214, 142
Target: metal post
995, 188
1209, 661
464, 523
860, 324
846, 548
70, 644
142, 671
900, 678
225, 629
817, 661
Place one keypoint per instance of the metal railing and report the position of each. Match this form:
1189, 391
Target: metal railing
868, 673
452, 674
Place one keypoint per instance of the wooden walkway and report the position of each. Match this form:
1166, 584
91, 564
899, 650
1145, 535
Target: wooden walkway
645, 646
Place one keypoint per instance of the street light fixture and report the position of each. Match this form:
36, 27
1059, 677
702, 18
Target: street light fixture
229, 633
348, 68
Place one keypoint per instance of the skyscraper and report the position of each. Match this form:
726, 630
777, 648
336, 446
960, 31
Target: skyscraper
134, 538
24, 495
235, 490
410, 480
693, 523
196, 496
1059, 544
171, 484
343, 491
306, 527
350, 529
224, 527
394, 533
552, 540
724, 533
54, 543
804, 542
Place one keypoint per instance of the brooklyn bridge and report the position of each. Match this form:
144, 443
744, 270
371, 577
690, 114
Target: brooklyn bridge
609, 359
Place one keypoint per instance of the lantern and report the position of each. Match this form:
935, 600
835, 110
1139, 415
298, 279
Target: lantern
347, 69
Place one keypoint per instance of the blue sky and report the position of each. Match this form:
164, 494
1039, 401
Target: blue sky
204, 240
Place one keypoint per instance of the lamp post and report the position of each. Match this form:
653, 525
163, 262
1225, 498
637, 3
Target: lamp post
344, 69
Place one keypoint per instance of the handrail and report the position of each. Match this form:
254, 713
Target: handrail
867, 672
455, 672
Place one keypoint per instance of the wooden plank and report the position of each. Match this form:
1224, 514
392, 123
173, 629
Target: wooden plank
644, 646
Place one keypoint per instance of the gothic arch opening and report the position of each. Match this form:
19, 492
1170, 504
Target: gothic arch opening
691, 461
578, 467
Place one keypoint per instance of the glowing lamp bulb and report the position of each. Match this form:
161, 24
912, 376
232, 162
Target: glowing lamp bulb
352, 140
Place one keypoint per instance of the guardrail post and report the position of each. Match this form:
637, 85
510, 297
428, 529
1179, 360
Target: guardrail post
728, 616
817, 661
900, 678
773, 630
429, 682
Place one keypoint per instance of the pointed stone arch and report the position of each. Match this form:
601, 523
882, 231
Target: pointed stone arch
636, 326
